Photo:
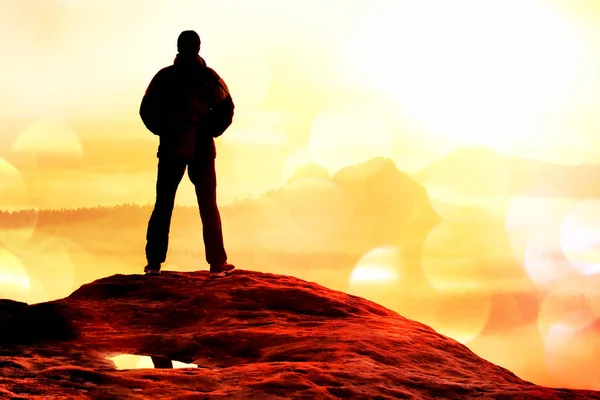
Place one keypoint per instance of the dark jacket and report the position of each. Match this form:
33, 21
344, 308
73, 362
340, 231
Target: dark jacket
187, 105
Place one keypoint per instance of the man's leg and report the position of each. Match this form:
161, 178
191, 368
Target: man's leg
170, 172
203, 175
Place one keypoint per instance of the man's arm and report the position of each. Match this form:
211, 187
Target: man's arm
221, 116
221, 113
149, 109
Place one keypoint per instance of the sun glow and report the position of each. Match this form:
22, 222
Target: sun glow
132, 361
13, 188
373, 273
580, 237
48, 138
377, 275
347, 134
378, 266
14, 280
476, 72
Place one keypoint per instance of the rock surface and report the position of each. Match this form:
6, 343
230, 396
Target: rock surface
253, 335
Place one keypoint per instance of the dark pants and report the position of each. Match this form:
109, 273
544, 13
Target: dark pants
202, 174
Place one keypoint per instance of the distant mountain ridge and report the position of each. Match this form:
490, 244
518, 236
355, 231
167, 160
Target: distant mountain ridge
481, 171
368, 204
360, 207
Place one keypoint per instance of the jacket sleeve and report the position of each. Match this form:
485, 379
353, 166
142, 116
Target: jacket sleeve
149, 109
221, 113
221, 116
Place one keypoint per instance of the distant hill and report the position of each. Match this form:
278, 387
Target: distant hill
369, 204
481, 171
361, 207
372, 197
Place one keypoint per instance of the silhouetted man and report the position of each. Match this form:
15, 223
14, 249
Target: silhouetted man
187, 105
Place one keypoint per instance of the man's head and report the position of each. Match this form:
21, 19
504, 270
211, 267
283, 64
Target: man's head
188, 42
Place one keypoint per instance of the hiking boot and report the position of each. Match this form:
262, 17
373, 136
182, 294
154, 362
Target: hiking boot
219, 270
152, 269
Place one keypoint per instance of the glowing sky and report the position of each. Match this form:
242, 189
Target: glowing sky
519, 76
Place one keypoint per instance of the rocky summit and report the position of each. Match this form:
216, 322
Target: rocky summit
250, 335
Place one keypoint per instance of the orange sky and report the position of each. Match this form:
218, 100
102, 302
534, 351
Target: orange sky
333, 83
519, 76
